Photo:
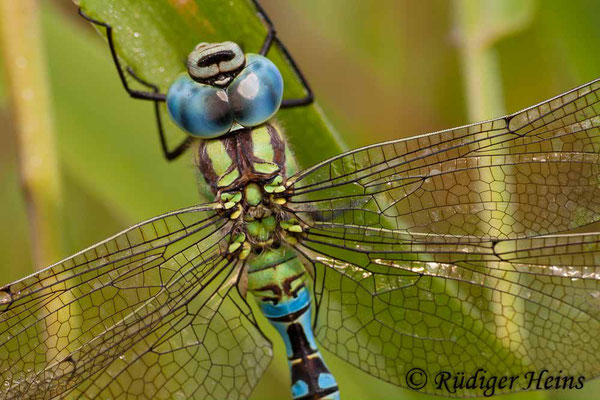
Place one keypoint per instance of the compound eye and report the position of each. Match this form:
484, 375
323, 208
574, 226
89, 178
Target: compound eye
256, 93
201, 110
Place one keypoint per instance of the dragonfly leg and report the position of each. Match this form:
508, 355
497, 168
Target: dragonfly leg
136, 94
168, 153
266, 46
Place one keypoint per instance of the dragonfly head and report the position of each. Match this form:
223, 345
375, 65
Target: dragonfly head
224, 89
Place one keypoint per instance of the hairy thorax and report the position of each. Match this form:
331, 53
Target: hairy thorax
246, 172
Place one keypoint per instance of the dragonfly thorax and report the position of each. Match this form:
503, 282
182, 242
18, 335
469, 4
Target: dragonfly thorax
246, 172
257, 155
261, 222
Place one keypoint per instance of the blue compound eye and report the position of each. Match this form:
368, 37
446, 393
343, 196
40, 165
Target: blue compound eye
255, 94
201, 110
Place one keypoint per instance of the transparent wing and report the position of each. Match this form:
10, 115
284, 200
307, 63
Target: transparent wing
149, 313
532, 172
433, 252
389, 302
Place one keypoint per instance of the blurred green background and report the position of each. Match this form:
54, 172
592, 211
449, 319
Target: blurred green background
380, 70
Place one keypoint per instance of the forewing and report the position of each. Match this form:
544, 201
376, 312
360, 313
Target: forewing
112, 320
389, 302
532, 172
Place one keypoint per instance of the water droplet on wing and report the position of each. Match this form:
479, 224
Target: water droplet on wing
5, 297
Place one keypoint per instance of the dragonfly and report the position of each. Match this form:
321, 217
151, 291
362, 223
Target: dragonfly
467, 249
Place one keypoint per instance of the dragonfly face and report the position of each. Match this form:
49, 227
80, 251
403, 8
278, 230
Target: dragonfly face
215, 64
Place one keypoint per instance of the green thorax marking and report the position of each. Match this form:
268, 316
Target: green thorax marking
263, 150
245, 156
253, 194
261, 229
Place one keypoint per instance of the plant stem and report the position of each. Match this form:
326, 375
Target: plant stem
27, 84
479, 25
479, 59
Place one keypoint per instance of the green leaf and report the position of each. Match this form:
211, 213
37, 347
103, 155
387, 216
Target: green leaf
107, 141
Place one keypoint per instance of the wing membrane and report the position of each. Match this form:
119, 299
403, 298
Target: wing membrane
117, 319
207, 347
533, 172
389, 302
441, 252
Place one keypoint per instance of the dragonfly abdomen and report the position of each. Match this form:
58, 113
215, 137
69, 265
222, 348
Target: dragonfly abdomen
278, 281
